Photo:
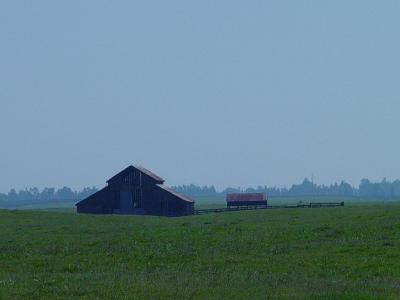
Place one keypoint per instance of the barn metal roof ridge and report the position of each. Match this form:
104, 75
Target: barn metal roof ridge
149, 173
175, 193
141, 169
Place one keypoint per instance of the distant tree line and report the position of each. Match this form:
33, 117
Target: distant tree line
33, 196
366, 189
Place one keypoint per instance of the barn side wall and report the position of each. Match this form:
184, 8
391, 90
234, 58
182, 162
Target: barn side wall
161, 202
101, 202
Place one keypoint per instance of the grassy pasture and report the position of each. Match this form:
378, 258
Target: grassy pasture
68, 206
350, 252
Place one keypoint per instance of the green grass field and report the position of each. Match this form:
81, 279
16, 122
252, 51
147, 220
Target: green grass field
349, 252
68, 206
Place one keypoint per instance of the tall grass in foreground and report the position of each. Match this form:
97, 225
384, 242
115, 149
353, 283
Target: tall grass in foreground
329, 253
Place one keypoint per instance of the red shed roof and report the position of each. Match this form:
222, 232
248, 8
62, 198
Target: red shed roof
245, 197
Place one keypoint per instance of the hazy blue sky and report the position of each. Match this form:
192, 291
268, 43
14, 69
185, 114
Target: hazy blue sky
207, 92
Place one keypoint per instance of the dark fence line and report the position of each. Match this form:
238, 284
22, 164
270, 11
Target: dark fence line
254, 207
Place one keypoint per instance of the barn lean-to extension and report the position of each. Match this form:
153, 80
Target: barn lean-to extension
136, 190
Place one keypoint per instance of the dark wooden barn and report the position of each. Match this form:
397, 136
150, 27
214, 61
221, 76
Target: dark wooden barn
136, 190
246, 199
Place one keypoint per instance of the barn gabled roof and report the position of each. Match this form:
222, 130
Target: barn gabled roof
149, 173
175, 193
120, 173
141, 169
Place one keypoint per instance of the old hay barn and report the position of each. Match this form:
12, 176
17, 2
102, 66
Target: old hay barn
136, 190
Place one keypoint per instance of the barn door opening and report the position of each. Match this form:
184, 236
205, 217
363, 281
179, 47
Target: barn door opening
137, 198
126, 201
